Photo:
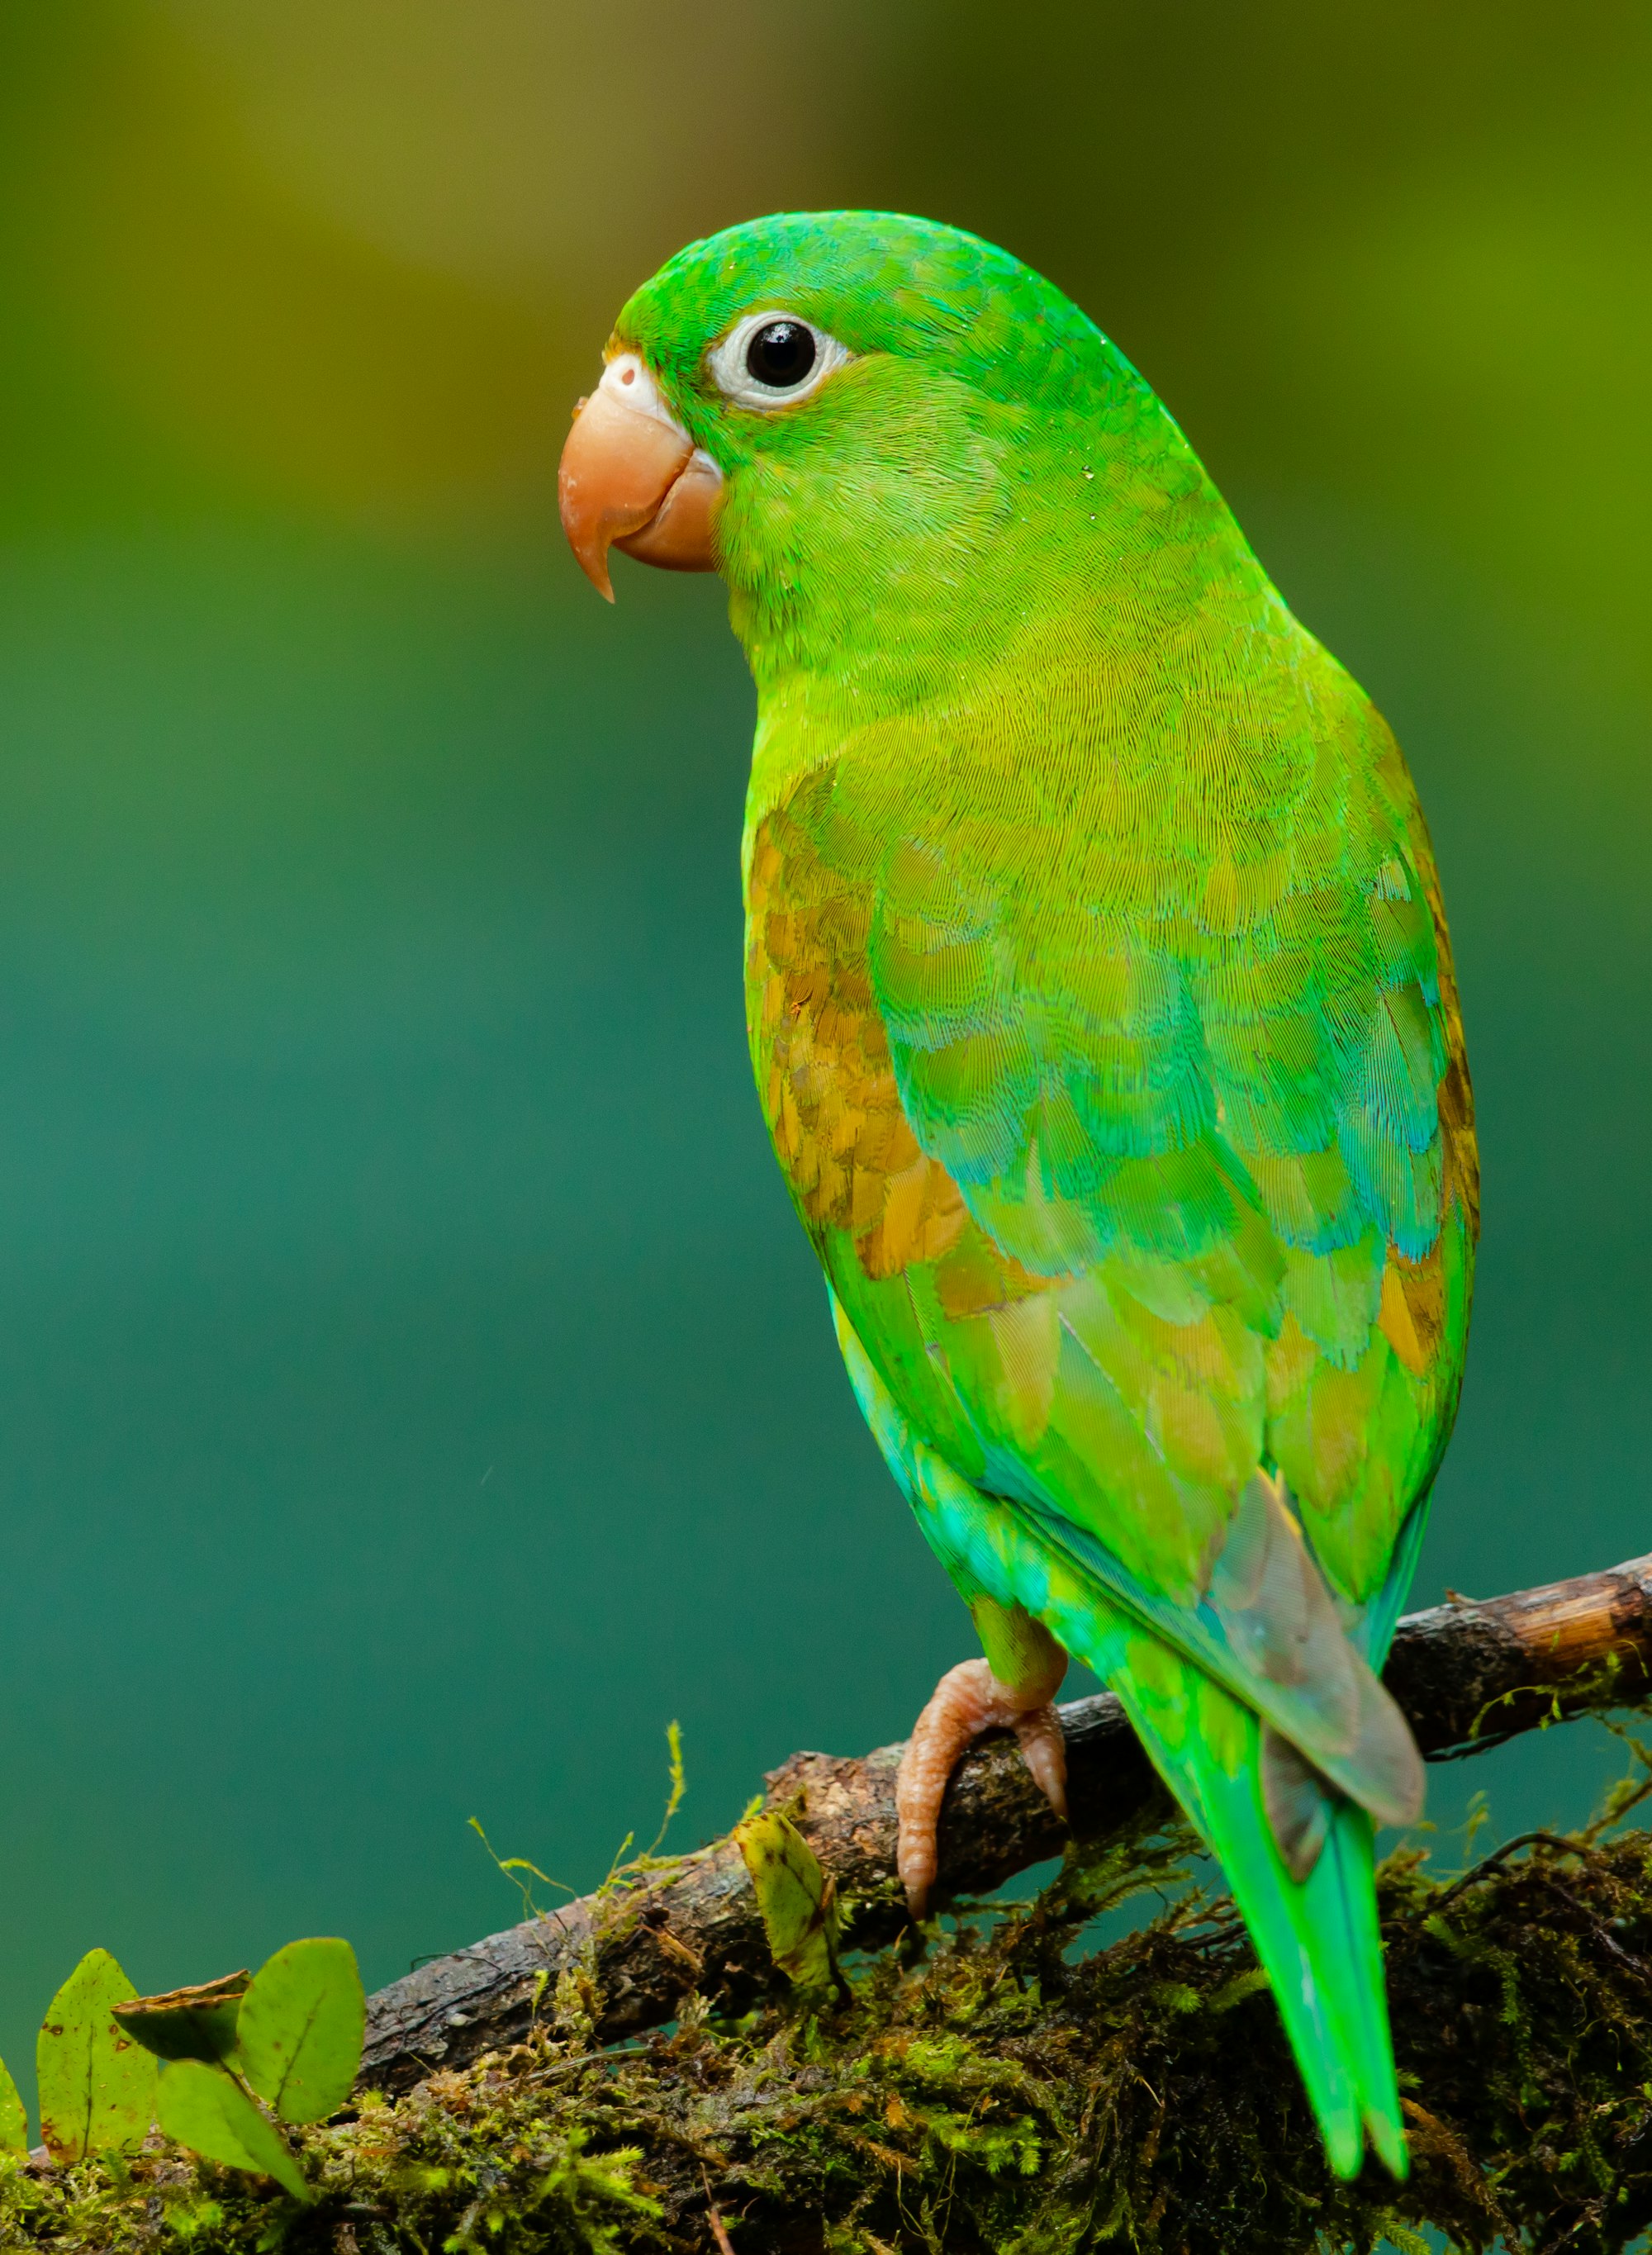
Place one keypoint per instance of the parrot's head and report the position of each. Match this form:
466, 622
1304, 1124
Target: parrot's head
837, 408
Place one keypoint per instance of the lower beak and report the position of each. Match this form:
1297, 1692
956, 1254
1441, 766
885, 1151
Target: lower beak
631, 479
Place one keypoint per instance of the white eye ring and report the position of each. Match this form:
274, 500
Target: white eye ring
734, 378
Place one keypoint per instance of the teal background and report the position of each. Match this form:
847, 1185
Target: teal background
414, 1389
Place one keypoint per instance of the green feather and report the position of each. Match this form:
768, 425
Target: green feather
1101, 1008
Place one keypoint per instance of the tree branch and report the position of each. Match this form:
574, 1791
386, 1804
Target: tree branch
1468, 1675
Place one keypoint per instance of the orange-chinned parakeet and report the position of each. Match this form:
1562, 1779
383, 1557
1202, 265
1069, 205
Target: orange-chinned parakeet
1102, 1014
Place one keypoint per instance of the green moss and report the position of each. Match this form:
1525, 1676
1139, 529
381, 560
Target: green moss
1002, 2089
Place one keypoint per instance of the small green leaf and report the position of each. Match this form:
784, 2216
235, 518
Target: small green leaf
302, 2025
14, 2123
97, 2087
796, 1899
198, 2023
203, 2107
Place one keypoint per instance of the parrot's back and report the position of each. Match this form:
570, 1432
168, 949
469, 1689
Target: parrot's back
1107, 1037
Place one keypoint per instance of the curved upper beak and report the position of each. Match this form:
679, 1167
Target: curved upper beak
632, 478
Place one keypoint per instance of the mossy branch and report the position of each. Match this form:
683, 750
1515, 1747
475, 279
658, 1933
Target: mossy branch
1000, 2084
1008, 2079
1469, 1675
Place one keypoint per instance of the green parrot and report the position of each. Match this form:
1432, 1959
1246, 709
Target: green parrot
1102, 1014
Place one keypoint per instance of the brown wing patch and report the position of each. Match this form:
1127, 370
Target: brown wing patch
1461, 1172
823, 1064
1457, 1094
978, 1277
1412, 1314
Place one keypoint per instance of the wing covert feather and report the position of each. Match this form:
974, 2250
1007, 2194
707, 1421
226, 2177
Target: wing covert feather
1131, 1118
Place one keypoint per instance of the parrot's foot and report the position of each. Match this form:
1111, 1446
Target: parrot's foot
968, 1700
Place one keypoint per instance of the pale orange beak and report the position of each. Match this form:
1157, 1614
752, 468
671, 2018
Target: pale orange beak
632, 478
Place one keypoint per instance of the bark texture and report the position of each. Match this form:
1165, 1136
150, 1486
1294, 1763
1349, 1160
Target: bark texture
1469, 1674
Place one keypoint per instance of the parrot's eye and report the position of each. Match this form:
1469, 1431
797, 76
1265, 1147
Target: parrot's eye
769, 359
781, 354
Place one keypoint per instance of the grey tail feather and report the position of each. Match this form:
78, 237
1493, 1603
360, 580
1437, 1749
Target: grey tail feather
1298, 1800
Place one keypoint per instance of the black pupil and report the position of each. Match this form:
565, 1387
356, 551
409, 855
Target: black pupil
781, 353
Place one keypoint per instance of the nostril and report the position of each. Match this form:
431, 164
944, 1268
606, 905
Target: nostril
627, 376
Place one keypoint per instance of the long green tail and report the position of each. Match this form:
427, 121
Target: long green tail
1317, 1937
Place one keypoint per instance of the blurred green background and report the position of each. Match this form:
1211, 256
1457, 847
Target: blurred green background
414, 1391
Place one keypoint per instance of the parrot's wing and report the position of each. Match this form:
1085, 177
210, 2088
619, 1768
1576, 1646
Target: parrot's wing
1134, 1133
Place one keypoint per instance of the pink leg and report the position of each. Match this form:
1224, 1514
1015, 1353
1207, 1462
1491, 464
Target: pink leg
968, 1700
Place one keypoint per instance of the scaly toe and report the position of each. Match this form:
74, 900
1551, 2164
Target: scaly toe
968, 1700
963, 1703
1045, 1752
